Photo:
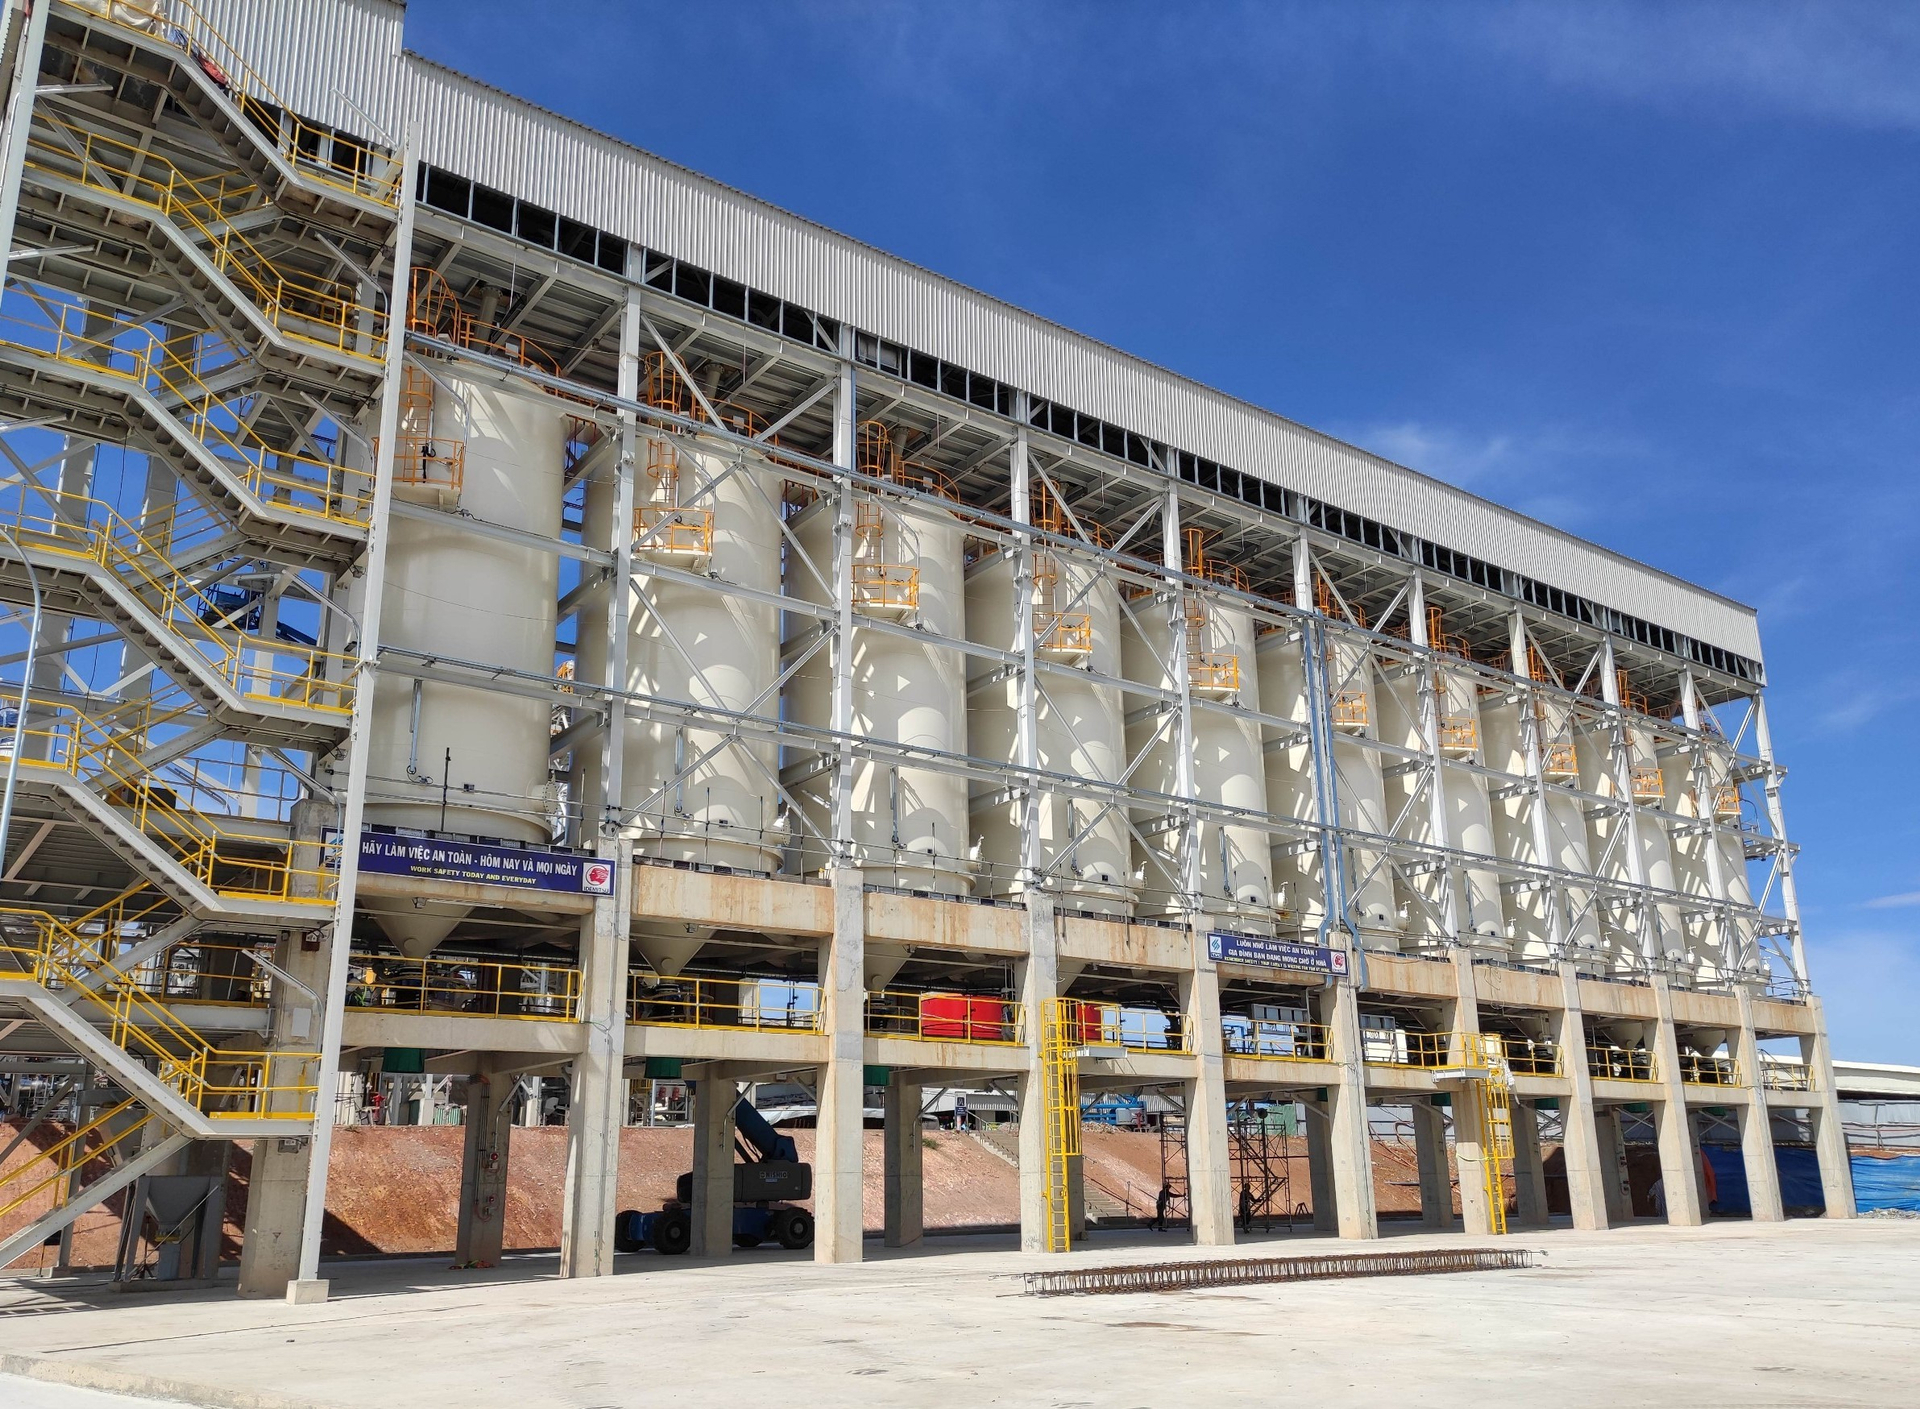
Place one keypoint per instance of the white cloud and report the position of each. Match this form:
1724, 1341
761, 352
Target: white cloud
1844, 62
1901, 901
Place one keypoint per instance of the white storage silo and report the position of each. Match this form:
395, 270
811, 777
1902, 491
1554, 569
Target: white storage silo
1236, 867
1357, 776
1078, 728
697, 795
910, 824
465, 597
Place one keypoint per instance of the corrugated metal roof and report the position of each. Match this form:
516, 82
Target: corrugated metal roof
322, 53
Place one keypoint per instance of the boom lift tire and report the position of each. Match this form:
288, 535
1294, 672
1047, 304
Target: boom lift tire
672, 1232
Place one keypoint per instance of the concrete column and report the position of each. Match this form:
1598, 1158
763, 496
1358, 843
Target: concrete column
598, 1109
1318, 1124
1756, 1123
1587, 1174
1613, 1165
1829, 1135
838, 1144
1430, 1150
1679, 1159
714, 1098
905, 1223
278, 1183
1529, 1170
481, 1236
1469, 1106
1350, 1145
1209, 1160
1039, 983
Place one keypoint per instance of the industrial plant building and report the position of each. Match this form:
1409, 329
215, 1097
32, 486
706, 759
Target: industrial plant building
486, 599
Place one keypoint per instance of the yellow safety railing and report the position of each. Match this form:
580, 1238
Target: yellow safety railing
1135, 1029
740, 1005
1213, 672
672, 531
1458, 733
885, 587
220, 1083
1402, 1047
232, 864
1649, 784
1619, 1064
320, 153
210, 975
1785, 1073
1557, 761
47, 1170
306, 307
134, 353
1526, 1057
1696, 1070
1349, 710
493, 988
1276, 1041
1063, 633
283, 672
947, 1017
1726, 802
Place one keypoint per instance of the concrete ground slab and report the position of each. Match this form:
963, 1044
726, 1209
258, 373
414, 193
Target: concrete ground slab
1803, 1313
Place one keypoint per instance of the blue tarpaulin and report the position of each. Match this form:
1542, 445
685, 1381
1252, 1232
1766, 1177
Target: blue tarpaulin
1887, 1183
1877, 1183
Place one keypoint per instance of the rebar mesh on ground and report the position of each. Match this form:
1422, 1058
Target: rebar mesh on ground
1177, 1276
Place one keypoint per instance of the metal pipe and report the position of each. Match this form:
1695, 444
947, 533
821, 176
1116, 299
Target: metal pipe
26, 686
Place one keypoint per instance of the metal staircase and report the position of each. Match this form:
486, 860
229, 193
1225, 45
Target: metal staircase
193, 287
168, 46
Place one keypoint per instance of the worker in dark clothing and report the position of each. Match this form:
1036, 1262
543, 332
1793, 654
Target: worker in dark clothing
1160, 1202
1246, 1208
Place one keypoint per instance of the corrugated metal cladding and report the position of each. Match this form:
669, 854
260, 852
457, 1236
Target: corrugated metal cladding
313, 51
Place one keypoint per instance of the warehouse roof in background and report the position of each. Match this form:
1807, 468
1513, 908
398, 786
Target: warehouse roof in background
344, 62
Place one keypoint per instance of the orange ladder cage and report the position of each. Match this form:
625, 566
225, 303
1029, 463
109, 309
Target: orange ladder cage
1349, 708
662, 522
421, 458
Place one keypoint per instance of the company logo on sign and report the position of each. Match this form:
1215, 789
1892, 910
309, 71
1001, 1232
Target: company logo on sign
597, 878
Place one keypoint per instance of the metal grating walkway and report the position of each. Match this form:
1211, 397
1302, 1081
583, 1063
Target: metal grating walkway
1178, 1276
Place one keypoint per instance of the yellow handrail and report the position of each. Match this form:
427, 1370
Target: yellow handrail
225, 862
750, 1004
494, 988
947, 1017
93, 531
303, 144
65, 1155
134, 353
1276, 1041
318, 311
146, 1028
1620, 1064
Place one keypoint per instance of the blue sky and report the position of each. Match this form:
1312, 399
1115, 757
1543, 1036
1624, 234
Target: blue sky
1646, 271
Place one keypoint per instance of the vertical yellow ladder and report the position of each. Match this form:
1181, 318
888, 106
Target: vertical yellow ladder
1060, 1070
1488, 1053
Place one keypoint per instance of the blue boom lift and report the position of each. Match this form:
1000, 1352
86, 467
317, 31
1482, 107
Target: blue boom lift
769, 1176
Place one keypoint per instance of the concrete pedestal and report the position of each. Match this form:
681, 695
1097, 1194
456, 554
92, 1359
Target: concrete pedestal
714, 1098
1430, 1151
904, 1218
